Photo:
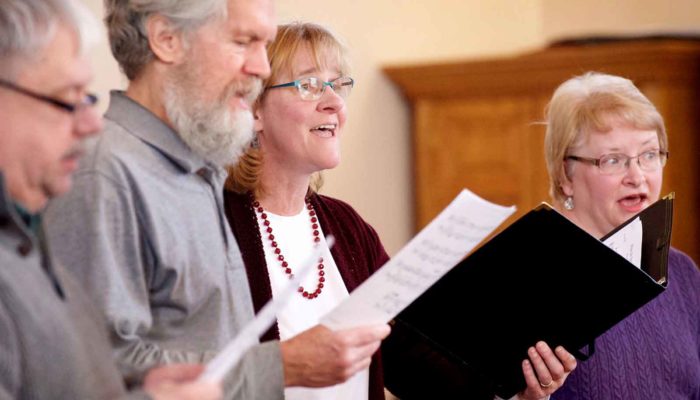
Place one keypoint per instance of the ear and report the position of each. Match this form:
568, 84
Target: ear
565, 184
166, 43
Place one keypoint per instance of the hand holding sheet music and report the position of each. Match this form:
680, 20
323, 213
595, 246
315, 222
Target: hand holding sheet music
229, 357
434, 251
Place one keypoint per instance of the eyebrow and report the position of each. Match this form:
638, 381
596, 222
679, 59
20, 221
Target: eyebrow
79, 83
315, 69
308, 71
618, 149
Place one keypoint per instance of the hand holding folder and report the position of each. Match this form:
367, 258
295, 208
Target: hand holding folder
542, 278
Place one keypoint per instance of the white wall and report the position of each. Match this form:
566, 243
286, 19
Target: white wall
375, 174
624, 17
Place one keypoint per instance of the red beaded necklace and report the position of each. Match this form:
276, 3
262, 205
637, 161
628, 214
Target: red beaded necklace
285, 266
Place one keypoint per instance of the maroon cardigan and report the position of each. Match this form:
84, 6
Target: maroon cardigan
357, 252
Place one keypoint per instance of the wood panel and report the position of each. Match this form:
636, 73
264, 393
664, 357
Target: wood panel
475, 123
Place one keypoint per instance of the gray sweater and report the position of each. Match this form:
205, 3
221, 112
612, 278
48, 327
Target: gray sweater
52, 342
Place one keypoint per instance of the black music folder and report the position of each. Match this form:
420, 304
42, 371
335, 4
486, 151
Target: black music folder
542, 278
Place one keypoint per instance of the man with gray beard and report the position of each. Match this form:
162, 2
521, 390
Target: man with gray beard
144, 228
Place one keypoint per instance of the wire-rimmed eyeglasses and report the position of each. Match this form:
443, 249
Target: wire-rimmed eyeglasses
88, 101
312, 88
610, 164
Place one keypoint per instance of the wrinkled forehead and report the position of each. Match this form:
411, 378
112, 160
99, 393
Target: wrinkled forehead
61, 63
605, 122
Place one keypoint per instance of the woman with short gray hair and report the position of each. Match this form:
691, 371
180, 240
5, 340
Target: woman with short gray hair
606, 148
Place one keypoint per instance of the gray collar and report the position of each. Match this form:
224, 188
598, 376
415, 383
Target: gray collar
142, 123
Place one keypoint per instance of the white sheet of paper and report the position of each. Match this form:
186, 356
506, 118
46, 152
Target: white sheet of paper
424, 260
627, 242
228, 358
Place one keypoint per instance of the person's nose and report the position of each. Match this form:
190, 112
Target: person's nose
330, 101
634, 175
88, 122
257, 62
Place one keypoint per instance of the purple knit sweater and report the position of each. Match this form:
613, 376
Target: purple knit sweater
654, 353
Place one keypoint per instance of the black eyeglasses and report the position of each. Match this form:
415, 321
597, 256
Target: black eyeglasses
88, 101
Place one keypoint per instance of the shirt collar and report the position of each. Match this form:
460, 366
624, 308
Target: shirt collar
143, 124
12, 212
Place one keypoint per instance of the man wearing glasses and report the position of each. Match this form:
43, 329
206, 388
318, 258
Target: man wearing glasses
145, 228
52, 342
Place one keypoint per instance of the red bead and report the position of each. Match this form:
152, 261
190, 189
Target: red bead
280, 257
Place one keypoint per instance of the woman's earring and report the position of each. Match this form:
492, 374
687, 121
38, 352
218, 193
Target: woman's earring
255, 143
569, 203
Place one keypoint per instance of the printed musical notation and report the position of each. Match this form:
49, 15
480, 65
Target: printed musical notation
627, 242
461, 226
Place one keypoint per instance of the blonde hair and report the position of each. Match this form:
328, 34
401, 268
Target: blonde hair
291, 38
592, 102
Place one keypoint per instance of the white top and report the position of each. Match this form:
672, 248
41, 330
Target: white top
294, 237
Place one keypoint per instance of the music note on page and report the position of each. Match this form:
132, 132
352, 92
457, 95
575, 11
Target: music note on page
627, 242
461, 226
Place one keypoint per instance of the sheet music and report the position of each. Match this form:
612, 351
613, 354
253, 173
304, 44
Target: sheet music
627, 242
228, 358
425, 259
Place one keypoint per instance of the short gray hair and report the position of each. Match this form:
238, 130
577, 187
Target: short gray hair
27, 26
126, 25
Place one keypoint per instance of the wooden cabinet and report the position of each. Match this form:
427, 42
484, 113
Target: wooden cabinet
477, 124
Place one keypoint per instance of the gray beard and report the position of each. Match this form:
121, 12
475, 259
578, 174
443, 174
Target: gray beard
212, 131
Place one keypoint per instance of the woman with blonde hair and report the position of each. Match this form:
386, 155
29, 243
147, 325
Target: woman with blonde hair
606, 147
278, 217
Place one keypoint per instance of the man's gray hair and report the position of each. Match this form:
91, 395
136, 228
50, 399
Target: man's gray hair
126, 25
27, 26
